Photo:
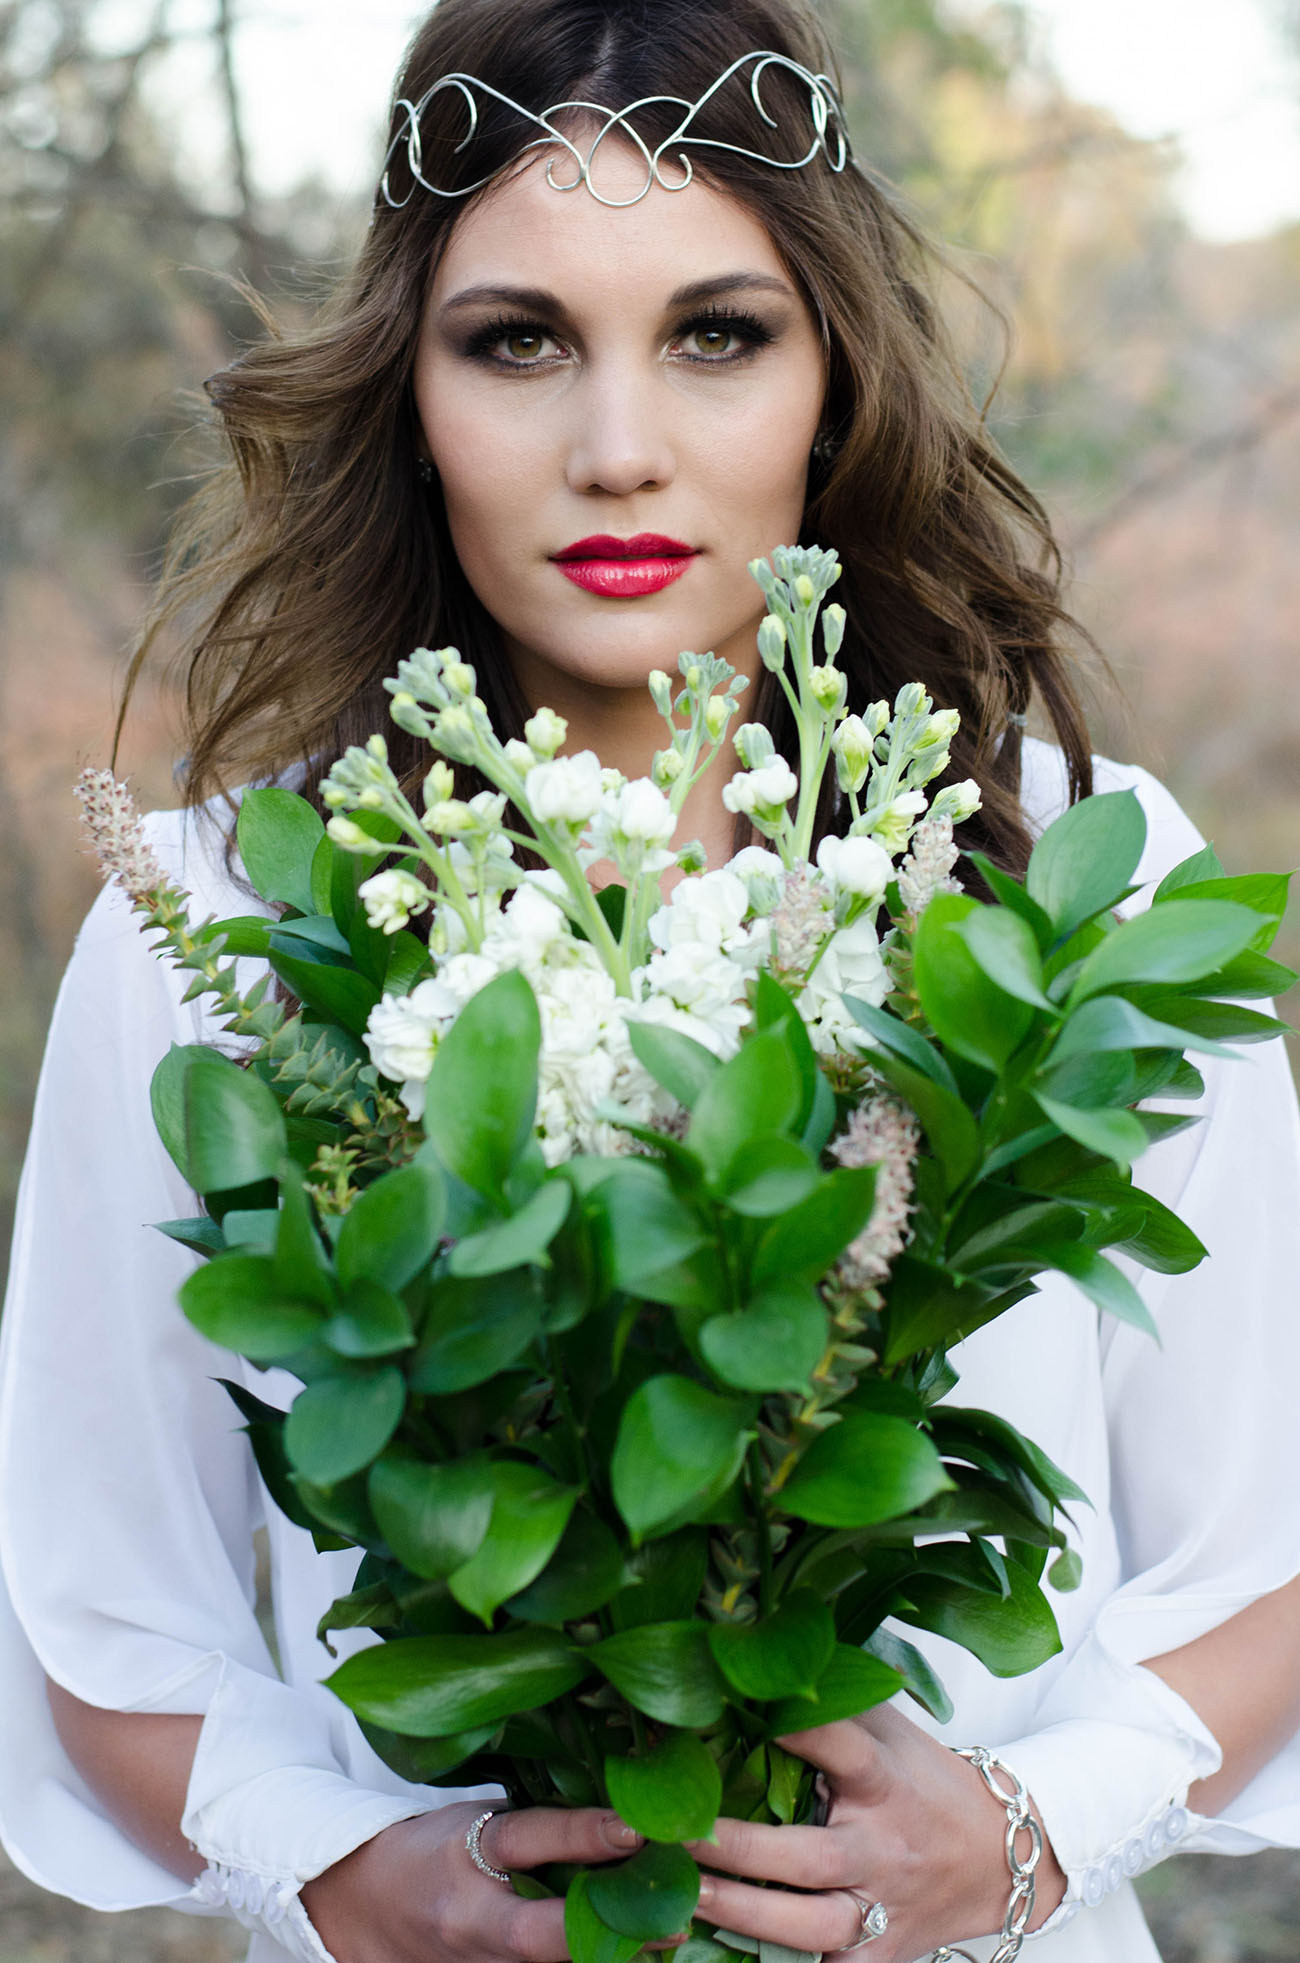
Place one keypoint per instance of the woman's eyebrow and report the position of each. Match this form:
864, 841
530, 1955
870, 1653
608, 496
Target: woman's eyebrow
538, 300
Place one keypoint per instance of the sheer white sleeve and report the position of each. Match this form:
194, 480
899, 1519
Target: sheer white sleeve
1203, 1495
129, 1496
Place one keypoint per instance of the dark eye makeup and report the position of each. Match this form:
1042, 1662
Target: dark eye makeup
483, 343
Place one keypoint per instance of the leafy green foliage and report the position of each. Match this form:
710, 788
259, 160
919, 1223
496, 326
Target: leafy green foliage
673, 1793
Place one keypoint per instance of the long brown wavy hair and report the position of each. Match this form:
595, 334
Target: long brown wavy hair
316, 558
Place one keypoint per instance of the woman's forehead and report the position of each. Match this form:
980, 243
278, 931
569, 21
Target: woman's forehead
526, 231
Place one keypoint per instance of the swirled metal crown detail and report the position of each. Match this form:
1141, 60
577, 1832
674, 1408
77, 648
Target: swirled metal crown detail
829, 137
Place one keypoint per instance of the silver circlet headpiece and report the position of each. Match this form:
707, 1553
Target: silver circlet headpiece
829, 136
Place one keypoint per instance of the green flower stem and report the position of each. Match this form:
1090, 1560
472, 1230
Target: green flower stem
763, 1527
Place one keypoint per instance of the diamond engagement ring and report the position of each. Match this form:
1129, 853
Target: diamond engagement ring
475, 1851
873, 1920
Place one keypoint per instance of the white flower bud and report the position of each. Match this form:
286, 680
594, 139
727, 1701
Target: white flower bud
892, 827
544, 733
661, 691
642, 812
333, 796
717, 715
804, 590
852, 745
351, 838
693, 676
943, 726
518, 754
611, 780
450, 817
833, 623
667, 767
460, 679
440, 784
829, 688
693, 858
762, 793
565, 791
454, 732
957, 801
754, 745
371, 799
771, 643
377, 748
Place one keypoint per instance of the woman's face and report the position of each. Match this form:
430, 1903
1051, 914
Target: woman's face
588, 374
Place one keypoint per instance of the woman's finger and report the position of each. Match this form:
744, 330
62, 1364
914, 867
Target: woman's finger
804, 1857
824, 1922
846, 1751
537, 1834
530, 1931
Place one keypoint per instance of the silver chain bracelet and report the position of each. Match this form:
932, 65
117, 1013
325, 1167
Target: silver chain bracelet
1024, 1884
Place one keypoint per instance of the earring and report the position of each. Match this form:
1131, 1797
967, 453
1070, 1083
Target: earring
424, 470
825, 448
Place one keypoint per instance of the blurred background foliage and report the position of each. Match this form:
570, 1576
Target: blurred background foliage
1151, 394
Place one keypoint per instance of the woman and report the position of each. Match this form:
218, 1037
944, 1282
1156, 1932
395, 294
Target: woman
552, 425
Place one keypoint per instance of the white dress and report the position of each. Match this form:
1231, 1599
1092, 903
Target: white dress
129, 1499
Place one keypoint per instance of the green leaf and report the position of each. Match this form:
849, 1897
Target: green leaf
1116, 1135
302, 1268
1006, 950
434, 1517
948, 1123
220, 1124
235, 1301
278, 833
806, 1241
328, 991
482, 1095
589, 1939
769, 1176
426, 1761
251, 1229
585, 1570
1013, 1238
1180, 941
773, 1344
678, 1447
1010, 893
1163, 1242
673, 1793
954, 1422
970, 1014
1010, 1637
1109, 1022
652, 1896
865, 1468
851, 1683
1084, 861
339, 1424
783, 1655
674, 1060
664, 1669
199, 1233
642, 1223
1102, 1282
758, 1091
391, 1230
529, 1514
433, 1686
1092, 1081
474, 1329
243, 934
369, 1321
523, 1238
1202, 865
903, 1042
364, 1608
920, 1680
664, 1580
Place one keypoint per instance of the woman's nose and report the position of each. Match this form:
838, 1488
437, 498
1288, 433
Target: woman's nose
619, 442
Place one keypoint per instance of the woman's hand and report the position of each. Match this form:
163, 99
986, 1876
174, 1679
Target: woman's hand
910, 1825
412, 1894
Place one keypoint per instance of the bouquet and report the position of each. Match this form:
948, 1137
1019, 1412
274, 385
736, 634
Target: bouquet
618, 1239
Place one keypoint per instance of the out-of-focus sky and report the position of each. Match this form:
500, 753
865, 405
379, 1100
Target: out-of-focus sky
1213, 73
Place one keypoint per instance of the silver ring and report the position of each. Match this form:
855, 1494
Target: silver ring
873, 1920
475, 1851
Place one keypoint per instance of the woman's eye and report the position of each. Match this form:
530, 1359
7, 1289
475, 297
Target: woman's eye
711, 340
524, 344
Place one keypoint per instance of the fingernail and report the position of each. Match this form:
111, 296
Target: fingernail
706, 1888
618, 1832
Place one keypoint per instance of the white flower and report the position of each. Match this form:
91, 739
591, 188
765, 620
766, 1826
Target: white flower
391, 898
850, 965
761, 793
566, 790
545, 732
709, 910
762, 872
403, 1033
892, 827
957, 801
644, 813
855, 865
529, 926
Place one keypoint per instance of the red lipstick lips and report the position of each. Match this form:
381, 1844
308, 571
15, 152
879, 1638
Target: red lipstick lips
624, 568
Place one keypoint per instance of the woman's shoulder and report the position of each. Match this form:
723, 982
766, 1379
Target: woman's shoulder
1045, 794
